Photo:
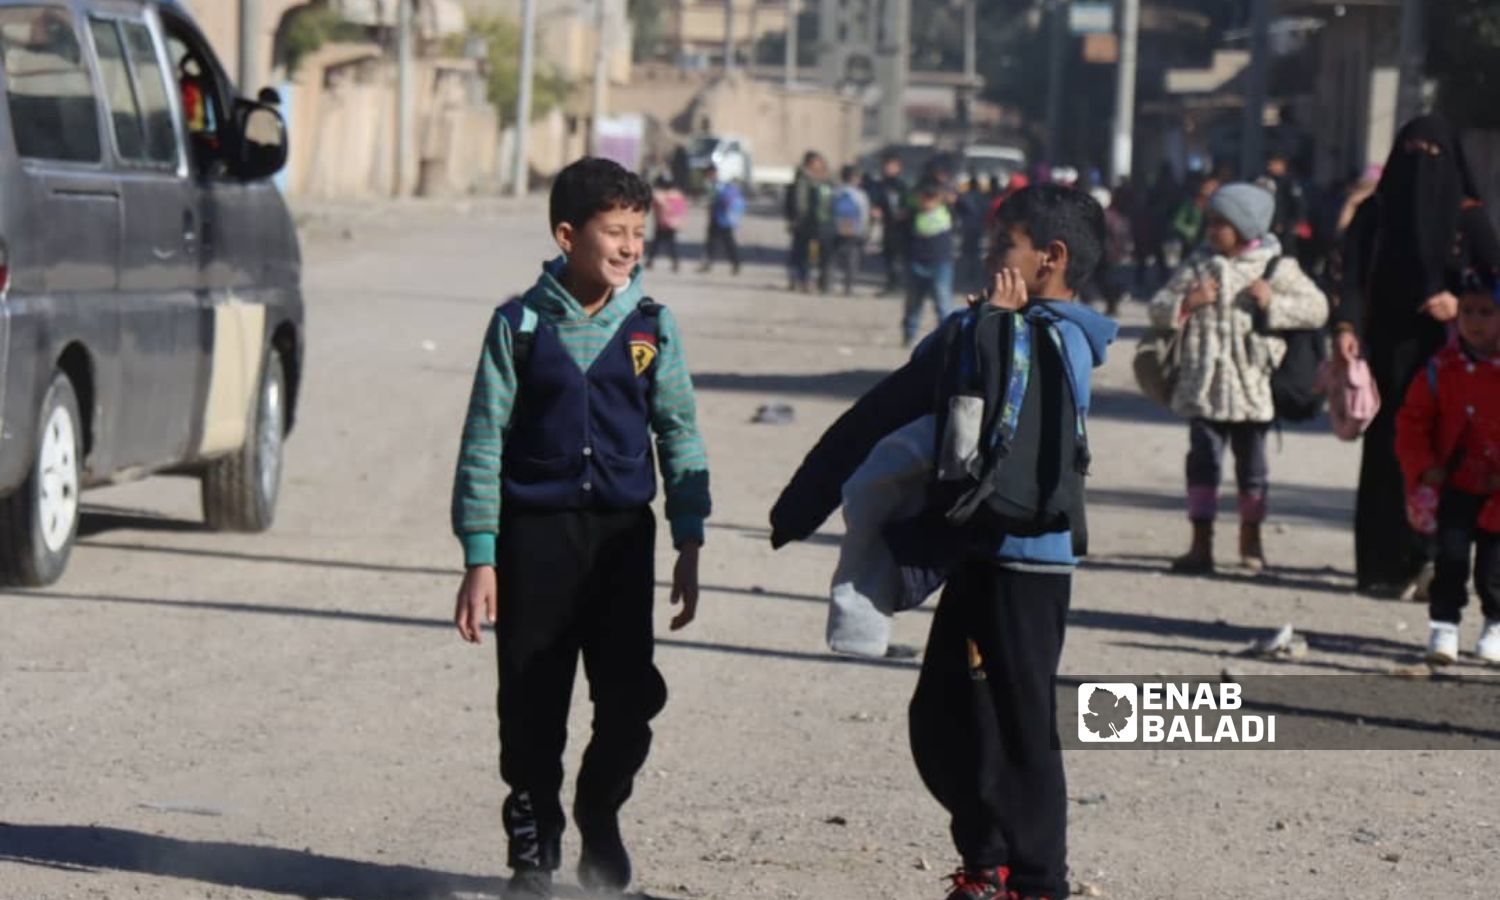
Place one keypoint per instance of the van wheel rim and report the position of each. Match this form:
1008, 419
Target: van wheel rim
270, 439
57, 495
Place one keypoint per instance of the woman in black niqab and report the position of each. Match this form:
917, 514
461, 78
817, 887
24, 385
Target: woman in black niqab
1406, 252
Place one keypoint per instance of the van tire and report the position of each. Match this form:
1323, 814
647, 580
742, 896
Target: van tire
37, 531
240, 491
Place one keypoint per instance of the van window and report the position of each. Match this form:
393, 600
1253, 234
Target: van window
135, 92
53, 112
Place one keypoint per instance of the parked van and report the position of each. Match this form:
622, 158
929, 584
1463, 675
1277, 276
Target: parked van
150, 298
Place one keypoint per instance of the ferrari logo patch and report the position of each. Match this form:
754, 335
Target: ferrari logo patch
642, 351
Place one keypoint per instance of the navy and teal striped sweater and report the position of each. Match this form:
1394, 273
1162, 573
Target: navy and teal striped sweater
674, 422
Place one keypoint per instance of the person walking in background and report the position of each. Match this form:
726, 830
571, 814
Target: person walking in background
1404, 254
1229, 299
726, 208
1290, 221
851, 224
1150, 212
930, 271
1187, 221
971, 210
1116, 280
1448, 441
802, 214
888, 205
669, 208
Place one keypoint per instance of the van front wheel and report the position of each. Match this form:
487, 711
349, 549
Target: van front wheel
239, 491
39, 522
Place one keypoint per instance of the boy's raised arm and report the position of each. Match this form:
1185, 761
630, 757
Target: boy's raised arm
476, 480
815, 491
679, 444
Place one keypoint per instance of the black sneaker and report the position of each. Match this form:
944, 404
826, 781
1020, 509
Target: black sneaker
604, 864
529, 884
979, 884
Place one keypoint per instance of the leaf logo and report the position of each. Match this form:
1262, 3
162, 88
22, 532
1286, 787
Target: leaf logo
1107, 712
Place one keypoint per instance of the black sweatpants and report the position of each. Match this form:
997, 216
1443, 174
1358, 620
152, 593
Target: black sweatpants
718, 235
664, 237
985, 742
1458, 537
573, 583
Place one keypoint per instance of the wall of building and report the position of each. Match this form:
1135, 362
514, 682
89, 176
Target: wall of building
342, 126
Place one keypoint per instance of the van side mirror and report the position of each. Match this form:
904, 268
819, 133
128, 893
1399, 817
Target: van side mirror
262, 141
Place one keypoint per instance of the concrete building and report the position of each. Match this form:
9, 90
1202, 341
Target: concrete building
693, 30
865, 45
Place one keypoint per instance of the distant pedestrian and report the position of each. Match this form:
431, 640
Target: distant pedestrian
1290, 223
669, 208
851, 223
1229, 299
804, 219
726, 208
1448, 440
888, 200
1407, 248
930, 272
971, 210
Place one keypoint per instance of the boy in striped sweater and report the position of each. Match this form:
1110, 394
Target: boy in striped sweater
575, 378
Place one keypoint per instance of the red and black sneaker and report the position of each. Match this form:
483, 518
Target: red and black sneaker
979, 884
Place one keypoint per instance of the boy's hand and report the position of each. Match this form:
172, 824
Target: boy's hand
685, 586
1008, 291
1441, 307
476, 597
1261, 291
1346, 347
1204, 293
1434, 476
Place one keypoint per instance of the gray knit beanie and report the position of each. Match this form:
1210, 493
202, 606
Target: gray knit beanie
1248, 207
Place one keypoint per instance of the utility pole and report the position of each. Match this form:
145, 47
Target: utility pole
1253, 129
728, 36
971, 69
403, 94
791, 42
518, 163
1123, 148
250, 77
1057, 23
1413, 52
601, 72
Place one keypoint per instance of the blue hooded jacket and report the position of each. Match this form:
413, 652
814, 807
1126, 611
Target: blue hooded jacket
906, 395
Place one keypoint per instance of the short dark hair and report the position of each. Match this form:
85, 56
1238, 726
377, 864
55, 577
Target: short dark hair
848, 173
593, 185
1051, 212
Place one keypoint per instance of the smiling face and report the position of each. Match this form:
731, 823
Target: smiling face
1479, 322
605, 251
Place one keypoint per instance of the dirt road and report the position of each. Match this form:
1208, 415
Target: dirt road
198, 715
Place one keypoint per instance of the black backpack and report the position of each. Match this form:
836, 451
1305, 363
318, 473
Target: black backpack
1011, 450
1294, 383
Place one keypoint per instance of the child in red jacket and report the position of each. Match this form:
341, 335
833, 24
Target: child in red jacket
1448, 440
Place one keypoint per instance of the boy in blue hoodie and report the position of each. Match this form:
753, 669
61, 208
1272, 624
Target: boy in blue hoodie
574, 380
983, 718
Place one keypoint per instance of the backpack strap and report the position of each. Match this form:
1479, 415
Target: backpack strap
1015, 386
523, 322
1272, 265
1083, 458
